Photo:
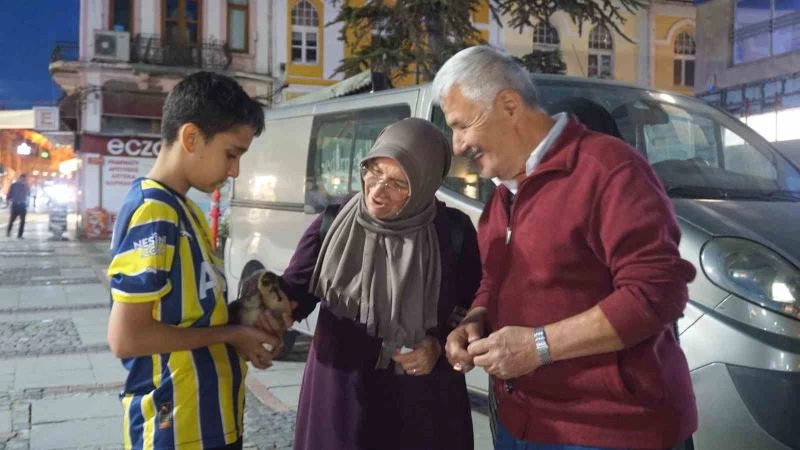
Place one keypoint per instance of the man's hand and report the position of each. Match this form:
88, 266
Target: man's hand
470, 330
507, 353
421, 360
250, 343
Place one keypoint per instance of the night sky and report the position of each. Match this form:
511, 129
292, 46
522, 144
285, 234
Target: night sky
28, 32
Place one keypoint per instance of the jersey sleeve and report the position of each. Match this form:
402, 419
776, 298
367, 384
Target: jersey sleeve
142, 260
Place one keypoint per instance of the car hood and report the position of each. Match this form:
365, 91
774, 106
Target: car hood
774, 224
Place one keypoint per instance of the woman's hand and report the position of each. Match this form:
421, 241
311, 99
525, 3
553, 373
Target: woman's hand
421, 360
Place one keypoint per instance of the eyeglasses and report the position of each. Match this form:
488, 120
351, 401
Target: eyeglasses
372, 178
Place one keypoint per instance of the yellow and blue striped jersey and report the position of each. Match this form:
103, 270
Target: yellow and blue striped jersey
162, 254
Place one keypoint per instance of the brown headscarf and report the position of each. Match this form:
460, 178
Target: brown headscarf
386, 274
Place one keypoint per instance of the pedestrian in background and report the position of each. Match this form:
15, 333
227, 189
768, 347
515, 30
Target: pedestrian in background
17, 198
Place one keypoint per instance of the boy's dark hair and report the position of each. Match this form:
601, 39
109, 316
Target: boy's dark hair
214, 102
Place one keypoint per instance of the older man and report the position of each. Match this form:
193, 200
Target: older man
582, 276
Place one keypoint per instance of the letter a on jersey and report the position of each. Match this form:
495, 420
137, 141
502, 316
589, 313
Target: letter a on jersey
208, 280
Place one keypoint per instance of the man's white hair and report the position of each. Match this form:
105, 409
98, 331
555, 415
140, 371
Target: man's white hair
481, 72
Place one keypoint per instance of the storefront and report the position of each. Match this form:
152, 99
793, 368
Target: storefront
108, 167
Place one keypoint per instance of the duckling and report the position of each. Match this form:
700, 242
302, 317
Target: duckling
269, 297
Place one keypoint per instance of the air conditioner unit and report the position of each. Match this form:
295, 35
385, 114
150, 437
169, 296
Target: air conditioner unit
112, 45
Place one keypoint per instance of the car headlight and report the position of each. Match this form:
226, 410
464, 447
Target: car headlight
754, 272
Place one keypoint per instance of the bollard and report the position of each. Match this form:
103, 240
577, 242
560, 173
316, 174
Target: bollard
214, 213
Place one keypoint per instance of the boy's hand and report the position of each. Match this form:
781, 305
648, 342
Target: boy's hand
250, 343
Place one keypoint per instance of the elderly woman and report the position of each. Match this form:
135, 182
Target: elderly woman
390, 283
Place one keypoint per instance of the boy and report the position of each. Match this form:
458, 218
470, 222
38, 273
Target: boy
168, 319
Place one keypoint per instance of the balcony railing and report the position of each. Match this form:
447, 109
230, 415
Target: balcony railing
156, 50
214, 55
64, 51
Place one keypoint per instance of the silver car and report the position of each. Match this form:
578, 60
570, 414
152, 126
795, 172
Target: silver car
736, 197
738, 203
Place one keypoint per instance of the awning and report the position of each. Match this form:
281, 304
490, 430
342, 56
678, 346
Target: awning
363, 82
22, 119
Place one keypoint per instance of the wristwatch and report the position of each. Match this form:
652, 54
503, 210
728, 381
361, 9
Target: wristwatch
542, 348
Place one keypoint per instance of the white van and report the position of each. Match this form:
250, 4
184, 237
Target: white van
737, 200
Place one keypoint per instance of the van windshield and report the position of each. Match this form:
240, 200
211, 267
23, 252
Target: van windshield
697, 151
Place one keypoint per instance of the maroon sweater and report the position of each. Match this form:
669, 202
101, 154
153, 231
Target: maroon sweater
591, 226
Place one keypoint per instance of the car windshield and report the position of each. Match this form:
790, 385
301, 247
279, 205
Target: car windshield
697, 151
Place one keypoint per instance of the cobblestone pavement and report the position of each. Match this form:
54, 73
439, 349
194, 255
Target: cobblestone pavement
34, 337
266, 429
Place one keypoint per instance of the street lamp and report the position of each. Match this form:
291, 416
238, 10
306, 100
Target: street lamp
24, 149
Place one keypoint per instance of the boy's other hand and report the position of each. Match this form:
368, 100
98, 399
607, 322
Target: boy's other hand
250, 343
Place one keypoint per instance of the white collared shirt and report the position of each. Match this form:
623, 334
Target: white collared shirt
540, 151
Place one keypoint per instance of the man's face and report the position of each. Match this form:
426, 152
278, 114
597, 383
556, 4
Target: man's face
215, 160
484, 135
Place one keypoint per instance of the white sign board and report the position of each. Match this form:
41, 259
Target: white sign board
46, 118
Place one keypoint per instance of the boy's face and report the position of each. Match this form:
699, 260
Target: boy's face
213, 161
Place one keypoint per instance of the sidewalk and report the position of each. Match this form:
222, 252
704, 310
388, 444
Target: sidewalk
58, 381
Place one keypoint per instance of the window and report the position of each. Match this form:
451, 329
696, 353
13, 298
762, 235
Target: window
764, 28
305, 26
182, 22
238, 25
682, 137
545, 36
683, 73
338, 143
120, 16
693, 148
601, 53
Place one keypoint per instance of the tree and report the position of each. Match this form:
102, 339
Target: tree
527, 13
406, 37
544, 61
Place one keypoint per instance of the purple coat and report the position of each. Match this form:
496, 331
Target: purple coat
345, 402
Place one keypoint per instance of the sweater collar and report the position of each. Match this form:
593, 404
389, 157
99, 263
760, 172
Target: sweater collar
558, 151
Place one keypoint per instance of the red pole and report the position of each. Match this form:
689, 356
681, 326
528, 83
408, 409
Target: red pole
214, 212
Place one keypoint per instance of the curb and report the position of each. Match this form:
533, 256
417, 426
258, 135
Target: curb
264, 395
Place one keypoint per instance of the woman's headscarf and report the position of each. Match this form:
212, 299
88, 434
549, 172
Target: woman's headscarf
386, 274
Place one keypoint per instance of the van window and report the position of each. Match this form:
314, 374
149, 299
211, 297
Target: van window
695, 150
338, 142
464, 176
688, 137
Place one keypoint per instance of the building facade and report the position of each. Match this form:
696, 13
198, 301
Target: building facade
311, 51
750, 63
660, 53
129, 55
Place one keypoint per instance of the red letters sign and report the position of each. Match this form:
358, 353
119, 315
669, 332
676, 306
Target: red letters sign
134, 146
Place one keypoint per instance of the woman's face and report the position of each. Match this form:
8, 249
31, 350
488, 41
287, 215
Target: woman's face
386, 187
